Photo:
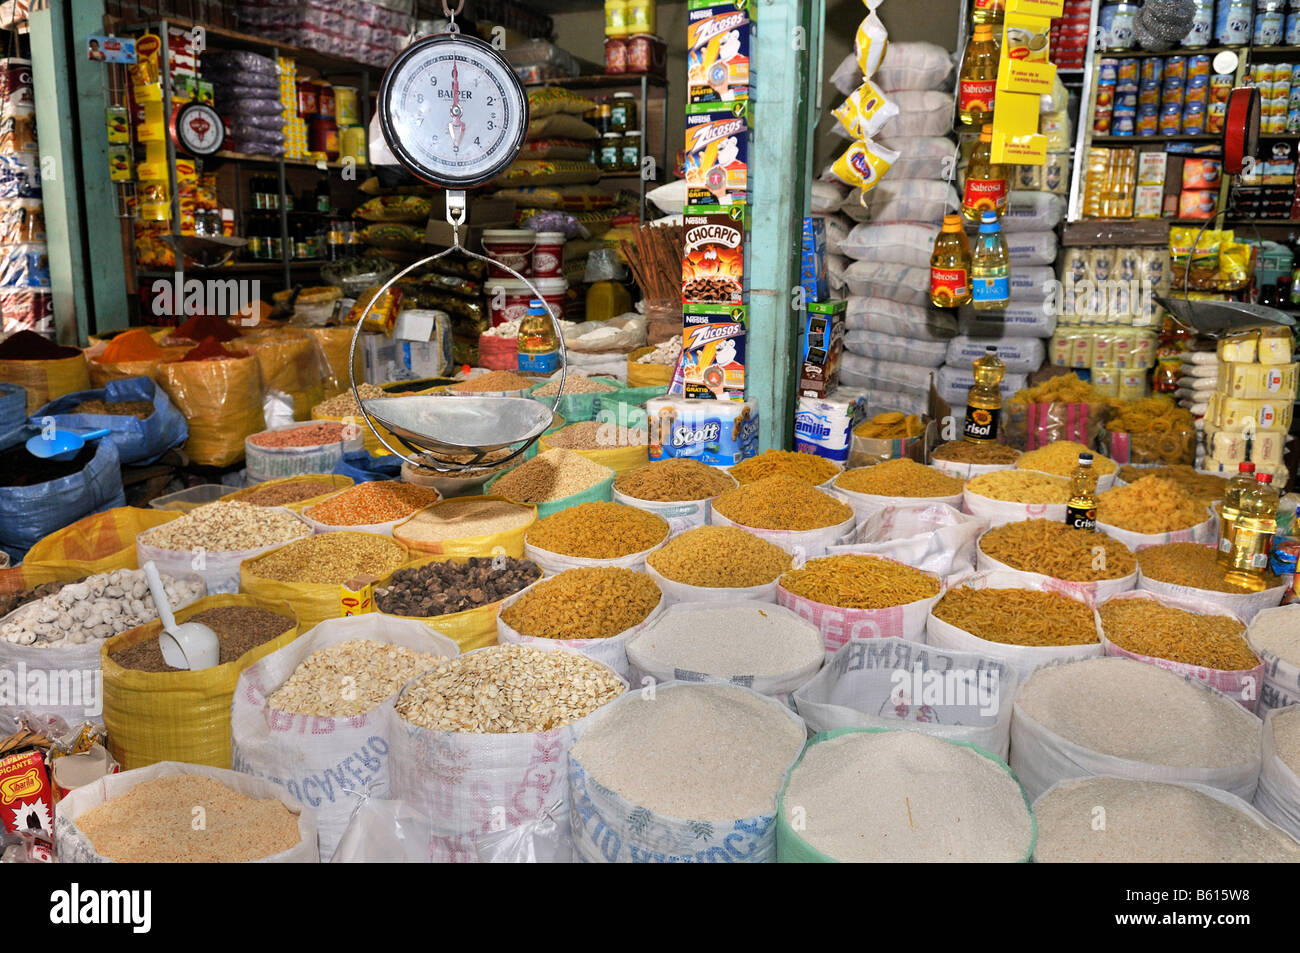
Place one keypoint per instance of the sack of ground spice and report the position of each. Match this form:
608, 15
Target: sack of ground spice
375, 506
222, 404
468, 526
1274, 635
315, 447
933, 537
718, 564
42, 367
1021, 622
139, 439
678, 490
784, 510
491, 728
893, 683
682, 773
456, 597
1117, 716
594, 534
312, 716
293, 493
1192, 570
860, 597
1278, 794
554, 481
619, 448
593, 612
156, 713
132, 353
1186, 636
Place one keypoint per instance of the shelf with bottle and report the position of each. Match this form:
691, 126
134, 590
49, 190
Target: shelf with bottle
273, 160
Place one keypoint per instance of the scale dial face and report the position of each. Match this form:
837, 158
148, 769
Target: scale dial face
452, 110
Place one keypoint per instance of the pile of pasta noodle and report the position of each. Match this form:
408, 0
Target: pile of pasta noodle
860, 582
1151, 505
899, 477
964, 451
1204, 488
1020, 486
1061, 457
1159, 430
1065, 389
1193, 565
1146, 627
891, 425
1051, 548
1018, 616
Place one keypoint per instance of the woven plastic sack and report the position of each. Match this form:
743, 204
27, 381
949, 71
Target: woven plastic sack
384, 832
868, 504
618, 459
901, 320
97, 543
964, 471
46, 380
1278, 794
647, 375
290, 361
222, 403
881, 683
597, 493
369, 442
138, 441
1040, 758
1200, 533
274, 463
1281, 678
838, 625
680, 516
327, 763
13, 412
802, 544
1095, 591
1244, 605
335, 481
177, 716
996, 513
101, 372
609, 829
30, 513
575, 408
471, 785
220, 571
678, 592
554, 563
932, 537
335, 346
76, 848
793, 849
508, 542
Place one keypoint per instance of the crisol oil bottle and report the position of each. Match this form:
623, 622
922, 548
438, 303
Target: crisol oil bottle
984, 401
978, 82
1081, 510
1252, 535
990, 271
987, 182
950, 265
1231, 508
539, 348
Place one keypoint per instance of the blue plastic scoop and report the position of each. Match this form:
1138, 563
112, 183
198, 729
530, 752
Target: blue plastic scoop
59, 444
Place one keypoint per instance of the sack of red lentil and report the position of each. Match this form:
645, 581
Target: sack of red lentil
1274, 635
355, 508
324, 748
301, 448
1278, 794
932, 537
894, 683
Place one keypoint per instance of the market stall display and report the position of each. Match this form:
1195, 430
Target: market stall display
714, 563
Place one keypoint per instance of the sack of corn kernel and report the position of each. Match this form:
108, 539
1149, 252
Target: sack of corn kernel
964, 471
802, 544
46, 380
139, 441
610, 651
893, 683
292, 363
1281, 675
1245, 605
1200, 533
1242, 685
1278, 794
76, 848
265, 461
327, 762
222, 404
934, 538
177, 715
335, 481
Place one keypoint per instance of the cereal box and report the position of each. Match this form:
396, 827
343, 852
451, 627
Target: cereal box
713, 352
717, 153
822, 347
718, 39
718, 433
713, 257
813, 263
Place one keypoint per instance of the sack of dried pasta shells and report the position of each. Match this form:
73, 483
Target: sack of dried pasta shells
1007, 496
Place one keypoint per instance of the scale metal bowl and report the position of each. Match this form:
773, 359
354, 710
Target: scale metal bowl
1216, 319
474, 425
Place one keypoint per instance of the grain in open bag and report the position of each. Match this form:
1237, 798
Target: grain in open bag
325, 760
963, 459
342, 408
799, 518
1121, 717
1278, 794
1274, 634
718, 563
594, 534
375, 506
1023, 622
933, 537
1008, 496
464, 482
313, 447
1152, 512
808, 467
213, 540
678, 490
594, 612
619, 448
294, 493
492, 730
1192, 570
894, 683
554, 481
682, 772
889, 795
1061, 458
1154, 822
468, 526
179, 715
1074, 560
174, 819
860, 597
870, 489
581, 397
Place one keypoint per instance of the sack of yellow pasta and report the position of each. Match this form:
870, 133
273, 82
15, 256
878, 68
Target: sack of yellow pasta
1150, 430
1060, 408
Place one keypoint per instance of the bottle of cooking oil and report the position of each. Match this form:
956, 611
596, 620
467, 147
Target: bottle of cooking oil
978, 82
984, 401
539, 348
990, 272
1081, 510
987, 11
1231, 508
1252, 535
987, 182
950, 265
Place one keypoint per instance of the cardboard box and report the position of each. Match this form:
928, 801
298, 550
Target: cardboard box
821, 347
719, 37
713, 257
866, 451
713, 351
814, 274
480, 213
717, 153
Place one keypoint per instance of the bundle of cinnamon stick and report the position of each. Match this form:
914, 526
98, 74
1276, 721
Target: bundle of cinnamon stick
655, 257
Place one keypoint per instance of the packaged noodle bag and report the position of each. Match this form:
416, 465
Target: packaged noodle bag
866, 111
863, 163
869, 44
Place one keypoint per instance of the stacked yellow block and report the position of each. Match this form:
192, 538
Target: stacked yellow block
295, 127
1254, 398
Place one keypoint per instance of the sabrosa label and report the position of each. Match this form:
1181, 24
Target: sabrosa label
976, 94
981, 423
985, 194
949, 283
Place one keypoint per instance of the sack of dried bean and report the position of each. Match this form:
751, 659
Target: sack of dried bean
328, 741
894, 683
935, 538
468, 526
158, 714
294, 493
314, 447
138, 440
1274, 635
75, 847
1278, 794
222, 404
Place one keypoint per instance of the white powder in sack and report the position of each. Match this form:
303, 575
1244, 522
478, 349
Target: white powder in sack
695, 752
871, 797
1277, 632
1134, 710
1286, 737
1114, 820
749, 640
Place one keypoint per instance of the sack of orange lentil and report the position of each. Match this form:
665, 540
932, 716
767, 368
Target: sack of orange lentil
376, 506
300, 448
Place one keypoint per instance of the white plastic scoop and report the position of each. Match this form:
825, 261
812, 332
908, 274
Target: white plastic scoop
189, 646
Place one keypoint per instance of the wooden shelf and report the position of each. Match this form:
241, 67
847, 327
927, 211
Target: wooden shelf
1128, 140
604, 79
274, 160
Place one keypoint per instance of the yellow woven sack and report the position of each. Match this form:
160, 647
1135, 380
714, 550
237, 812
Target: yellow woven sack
510, 542
312, 602
222, 403
101, 373
335, 346
471, 629
100, 542
335, 480
177, 716
290, 361
618, 459
647, 375
47, 380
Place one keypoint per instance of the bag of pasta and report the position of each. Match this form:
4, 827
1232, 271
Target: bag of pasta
1061, 408
377, 312
1150, 430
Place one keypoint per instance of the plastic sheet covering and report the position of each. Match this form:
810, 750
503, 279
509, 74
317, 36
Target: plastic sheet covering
291, 361
138, 441
335, 346
221, 401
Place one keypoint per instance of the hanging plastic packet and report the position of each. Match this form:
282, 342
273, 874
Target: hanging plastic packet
1235, 265
865, 112
869, 44
863, 163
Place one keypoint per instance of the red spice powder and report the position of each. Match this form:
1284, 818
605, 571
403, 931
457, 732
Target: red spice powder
206, 326
210, 349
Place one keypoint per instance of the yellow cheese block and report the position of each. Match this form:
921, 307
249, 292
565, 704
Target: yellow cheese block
1256, 381
1237, 414
1239, 350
